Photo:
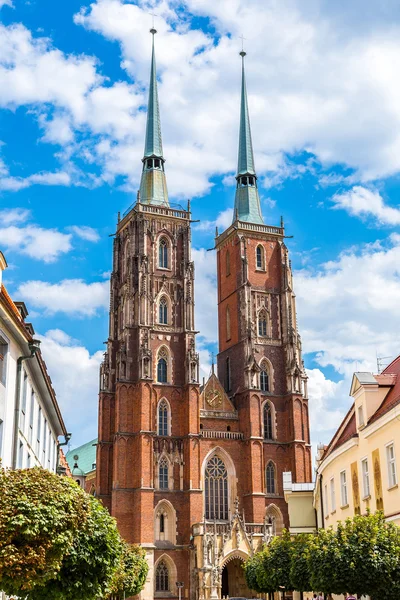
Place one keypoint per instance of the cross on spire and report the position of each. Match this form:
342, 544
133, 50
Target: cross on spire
153, 30
242, 38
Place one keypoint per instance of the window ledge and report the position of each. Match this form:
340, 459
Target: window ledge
333, 511
326, 517
393, 487
344, 506
365, 498
164, 268
261, 270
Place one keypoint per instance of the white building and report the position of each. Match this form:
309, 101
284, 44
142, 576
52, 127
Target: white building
30, 418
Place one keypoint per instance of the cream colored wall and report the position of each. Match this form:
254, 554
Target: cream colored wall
301, 511
372, 437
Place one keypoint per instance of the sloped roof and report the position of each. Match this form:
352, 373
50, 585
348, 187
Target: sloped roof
84, 456
346, 430
393, 397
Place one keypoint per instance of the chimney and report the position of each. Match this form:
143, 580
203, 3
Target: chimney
3, 267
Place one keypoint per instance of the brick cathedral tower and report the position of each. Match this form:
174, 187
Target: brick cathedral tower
195, 474
259, 360
149, 395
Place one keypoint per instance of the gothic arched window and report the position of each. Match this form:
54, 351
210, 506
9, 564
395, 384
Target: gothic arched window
162, 577
262, 324
270, 478
228, 263
267, 418
162, 523
162, 366
163, 418
163, 253
163, 311
216, 490
228, 323
260, 257
264, 379
163, 474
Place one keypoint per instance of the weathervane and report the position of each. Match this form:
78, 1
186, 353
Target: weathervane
153, 30
242, 52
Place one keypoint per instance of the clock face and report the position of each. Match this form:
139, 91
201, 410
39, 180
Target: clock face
214, 398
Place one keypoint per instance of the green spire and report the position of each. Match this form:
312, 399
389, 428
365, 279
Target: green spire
153, 142
247, 201
153, 185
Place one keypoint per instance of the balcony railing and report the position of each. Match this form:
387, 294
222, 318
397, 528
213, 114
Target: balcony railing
222, 435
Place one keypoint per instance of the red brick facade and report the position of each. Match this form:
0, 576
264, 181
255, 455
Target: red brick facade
164, 508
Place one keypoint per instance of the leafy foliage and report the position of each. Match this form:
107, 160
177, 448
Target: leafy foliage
59, 543
39, 515
89, 563
362, 556
130, 575
299, 563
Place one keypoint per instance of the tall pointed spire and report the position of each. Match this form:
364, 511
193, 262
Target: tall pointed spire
247, 201
153, 185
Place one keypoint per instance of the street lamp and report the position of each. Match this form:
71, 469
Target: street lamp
179, 585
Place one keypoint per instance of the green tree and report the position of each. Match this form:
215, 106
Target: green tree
40, 514
89, 563
362, 556
299, 563
253, 571
130, 575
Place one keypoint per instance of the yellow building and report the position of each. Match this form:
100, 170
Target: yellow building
357, 471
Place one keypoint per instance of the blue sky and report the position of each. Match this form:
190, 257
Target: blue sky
324, 103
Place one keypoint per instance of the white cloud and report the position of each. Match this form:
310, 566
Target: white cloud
36, 242
362, 202
11, 216
75, 376
326, 403
223, 220
6, 3
73, 297
85, 232
205, 294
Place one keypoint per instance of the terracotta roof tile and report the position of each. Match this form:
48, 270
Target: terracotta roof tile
393, 397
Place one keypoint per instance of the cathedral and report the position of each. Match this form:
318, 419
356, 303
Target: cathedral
193, 472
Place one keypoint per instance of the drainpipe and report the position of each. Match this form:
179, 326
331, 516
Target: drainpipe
61, 470
33, 347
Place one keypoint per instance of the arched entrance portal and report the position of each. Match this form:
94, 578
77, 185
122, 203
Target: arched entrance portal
233, 580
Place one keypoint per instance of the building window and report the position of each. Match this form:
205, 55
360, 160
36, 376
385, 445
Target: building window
270, 478
163, 474
3, 360
228, 375
44, 440
267, 421
162, 366
28, 461
227, 263
20, 455
391, 462
360, 416
260, 257
264, 379
24, 392
228, 324
326, 500
39, 426
31, 417
262, 324
163, 254
162, 577
343, 488
333, 497
365, 474
163, 418
216, 490
163, 311
162, 523
1, 438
